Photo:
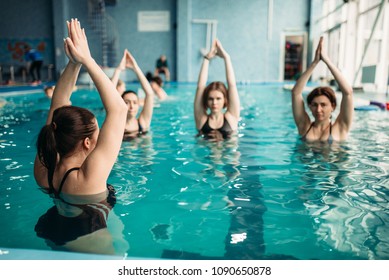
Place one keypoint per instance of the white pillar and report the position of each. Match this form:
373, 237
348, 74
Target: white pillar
383, 64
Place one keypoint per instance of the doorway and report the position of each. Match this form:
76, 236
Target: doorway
294, 56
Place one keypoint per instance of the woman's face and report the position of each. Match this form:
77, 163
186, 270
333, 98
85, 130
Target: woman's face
132, 103
321, 108
215, 101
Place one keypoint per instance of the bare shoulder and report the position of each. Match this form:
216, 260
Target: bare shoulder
339, 132
232, 120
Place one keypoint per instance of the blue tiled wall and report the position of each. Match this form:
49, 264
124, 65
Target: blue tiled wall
242, 28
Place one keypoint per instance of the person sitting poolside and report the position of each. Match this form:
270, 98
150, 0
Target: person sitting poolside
74, 157
216, 97
161, 67
322, 103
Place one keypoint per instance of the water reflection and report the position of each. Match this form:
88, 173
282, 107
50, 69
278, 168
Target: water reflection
83, 223
227, 189
345, 197
133, 168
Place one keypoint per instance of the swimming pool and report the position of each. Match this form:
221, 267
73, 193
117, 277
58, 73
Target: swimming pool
264, 195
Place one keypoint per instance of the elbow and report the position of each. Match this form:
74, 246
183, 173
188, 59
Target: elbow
347, 91
295, 92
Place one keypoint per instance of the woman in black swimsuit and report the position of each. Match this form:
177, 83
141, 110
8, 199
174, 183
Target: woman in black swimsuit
135, 126
216, 97
71, 139
322, 102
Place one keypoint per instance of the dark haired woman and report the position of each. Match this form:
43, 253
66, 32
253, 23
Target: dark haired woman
322, 103
137, 125
216, 97
157, 85
74, 156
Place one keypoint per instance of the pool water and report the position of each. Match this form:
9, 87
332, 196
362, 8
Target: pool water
261, 195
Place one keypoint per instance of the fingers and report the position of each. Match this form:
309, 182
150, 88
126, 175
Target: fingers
72, 32
320, 45
66, 48
75, 32
77, 27
130, 55
84, 35
69, 46
68, 25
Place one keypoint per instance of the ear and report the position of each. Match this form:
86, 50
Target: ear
86, 143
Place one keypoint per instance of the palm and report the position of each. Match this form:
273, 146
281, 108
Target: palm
78, 47
219, 49
130, 61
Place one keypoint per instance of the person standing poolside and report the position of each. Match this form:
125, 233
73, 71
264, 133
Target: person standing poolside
75, 157
322, 103
216, 97
35, 62
161, 67
137, 126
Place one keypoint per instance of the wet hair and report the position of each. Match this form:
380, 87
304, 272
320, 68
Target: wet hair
157, 80
128, 92
326, 91
69, 126
219, 86
149, 76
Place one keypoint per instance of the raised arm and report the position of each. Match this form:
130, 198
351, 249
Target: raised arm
98, 165
345, 116
61, 97
300, 116
118, 70
233, 97
199, 110
66, 82
147, 111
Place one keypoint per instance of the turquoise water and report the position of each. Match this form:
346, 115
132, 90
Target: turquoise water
262, 195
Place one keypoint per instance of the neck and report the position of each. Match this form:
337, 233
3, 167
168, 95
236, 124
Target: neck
131, 119
216, 115
322, 124
75, 160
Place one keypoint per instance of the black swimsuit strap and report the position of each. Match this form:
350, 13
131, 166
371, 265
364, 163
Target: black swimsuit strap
308, 130
140, 128
64, 179
303, 137
224, 122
